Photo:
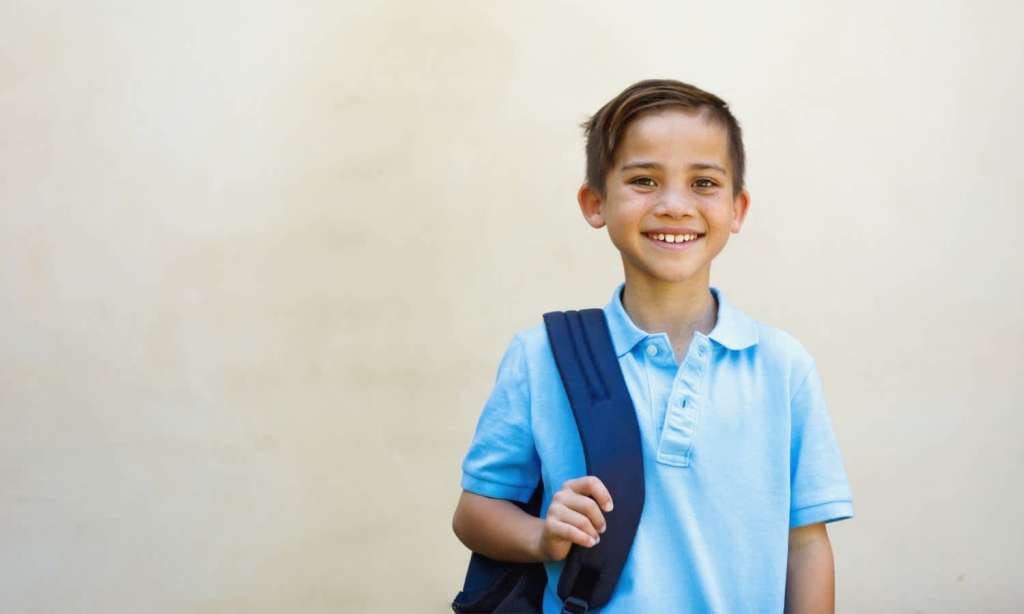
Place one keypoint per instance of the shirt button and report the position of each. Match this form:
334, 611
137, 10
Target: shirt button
652, 349
701, 350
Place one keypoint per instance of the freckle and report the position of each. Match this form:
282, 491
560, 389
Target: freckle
961, 577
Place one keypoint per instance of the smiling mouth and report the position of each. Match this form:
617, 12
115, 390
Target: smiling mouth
672, 239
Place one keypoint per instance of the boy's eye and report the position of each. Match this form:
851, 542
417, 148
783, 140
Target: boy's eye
644, 181
704, 183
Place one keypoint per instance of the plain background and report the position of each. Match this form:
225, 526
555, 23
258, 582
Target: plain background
259, 262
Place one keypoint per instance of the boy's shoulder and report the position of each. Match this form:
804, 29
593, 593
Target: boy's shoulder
533, 340
781, 345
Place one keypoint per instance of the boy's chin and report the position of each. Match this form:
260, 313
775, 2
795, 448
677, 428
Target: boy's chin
670, 277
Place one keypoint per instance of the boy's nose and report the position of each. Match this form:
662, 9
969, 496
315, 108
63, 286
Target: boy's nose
673, 203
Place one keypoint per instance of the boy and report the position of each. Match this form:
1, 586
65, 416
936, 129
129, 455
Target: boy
741, 466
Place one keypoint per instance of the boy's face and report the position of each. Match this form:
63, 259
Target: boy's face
671, 175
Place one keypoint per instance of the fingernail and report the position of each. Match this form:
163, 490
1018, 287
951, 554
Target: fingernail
605, 527
608, 507
594, 541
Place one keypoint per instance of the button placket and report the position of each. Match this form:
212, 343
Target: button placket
679, 427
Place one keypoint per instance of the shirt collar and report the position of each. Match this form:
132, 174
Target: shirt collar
733, 329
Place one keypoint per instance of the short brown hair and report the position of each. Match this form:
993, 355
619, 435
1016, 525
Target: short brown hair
605, 129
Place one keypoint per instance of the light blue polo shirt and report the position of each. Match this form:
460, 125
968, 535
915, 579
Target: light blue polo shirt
738, 448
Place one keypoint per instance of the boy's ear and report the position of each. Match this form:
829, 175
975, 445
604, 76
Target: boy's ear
590, 204
740, 206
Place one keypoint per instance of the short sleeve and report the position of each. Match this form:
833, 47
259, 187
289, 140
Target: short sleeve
502, 460
819, 488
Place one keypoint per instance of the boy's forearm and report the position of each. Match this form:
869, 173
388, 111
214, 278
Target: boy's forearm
497, 529
810, 578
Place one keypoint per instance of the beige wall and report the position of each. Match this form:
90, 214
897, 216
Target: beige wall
259, 262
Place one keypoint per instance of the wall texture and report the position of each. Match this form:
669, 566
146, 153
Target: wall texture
259, 262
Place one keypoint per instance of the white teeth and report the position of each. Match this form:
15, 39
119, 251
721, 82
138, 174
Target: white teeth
673, 238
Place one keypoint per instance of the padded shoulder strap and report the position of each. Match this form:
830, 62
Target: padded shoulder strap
608, 429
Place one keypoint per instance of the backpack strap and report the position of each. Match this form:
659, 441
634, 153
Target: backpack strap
606, 420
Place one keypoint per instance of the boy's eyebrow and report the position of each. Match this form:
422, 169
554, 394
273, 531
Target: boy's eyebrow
703, 166
626, 167
697, 166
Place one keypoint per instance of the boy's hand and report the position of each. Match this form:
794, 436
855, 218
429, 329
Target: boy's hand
574, 517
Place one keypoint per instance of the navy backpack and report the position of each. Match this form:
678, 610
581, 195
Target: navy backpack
610, 435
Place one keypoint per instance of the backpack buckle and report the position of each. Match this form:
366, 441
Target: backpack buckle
575, 605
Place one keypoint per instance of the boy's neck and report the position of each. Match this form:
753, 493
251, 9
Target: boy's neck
677, 309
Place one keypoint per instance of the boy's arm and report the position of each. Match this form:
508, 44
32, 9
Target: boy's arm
810, 574
501, 466
820, 493
497, 529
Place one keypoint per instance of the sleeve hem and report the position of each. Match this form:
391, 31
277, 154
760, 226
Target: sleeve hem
828, 511
496, 490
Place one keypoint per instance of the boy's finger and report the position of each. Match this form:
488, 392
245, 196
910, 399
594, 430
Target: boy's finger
572, 534
593, 486
576, 519
587, 506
